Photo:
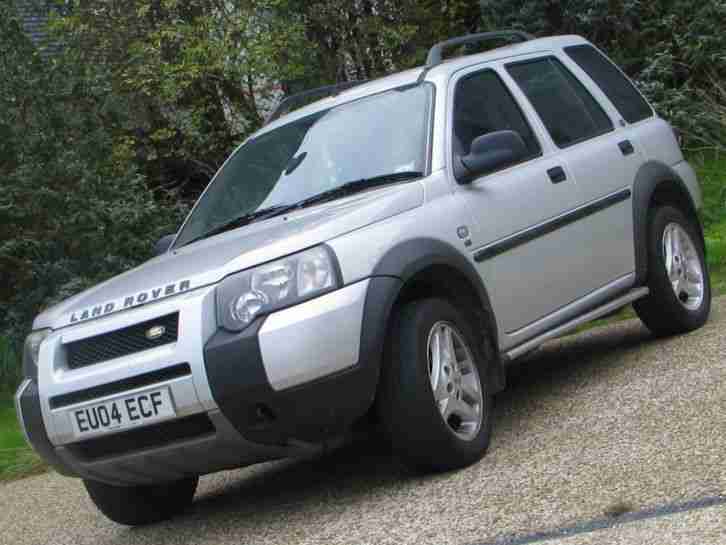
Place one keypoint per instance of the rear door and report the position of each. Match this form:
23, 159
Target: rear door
601, 157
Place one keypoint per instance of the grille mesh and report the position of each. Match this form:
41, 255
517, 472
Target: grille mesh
121, 342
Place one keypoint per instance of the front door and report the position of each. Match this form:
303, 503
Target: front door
528, 261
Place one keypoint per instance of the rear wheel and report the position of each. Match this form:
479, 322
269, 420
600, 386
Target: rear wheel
680, 287
435, 404
139, 505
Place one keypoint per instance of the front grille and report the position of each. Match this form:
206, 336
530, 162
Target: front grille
158, 435
121, 342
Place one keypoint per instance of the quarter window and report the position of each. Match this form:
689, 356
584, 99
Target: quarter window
618, 88
482, 105
567, 109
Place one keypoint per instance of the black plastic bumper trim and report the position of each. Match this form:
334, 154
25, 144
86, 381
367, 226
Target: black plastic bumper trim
157, 435
313, 412
29, 402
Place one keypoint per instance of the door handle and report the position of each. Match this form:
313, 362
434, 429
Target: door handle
626, 147
557, 175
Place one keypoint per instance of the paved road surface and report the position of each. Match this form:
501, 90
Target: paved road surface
609, 429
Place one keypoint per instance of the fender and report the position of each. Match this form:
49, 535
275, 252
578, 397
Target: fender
647, 180
399, 265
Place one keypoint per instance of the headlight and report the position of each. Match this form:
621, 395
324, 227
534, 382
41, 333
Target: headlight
288, 281
31, 351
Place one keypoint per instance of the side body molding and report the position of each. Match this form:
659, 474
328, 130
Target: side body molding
402, 262
651, 175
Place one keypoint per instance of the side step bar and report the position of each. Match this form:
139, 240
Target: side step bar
599, 312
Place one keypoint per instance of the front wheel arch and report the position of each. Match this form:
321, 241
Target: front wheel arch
426, 268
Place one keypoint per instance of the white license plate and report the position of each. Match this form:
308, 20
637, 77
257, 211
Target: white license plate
123, 413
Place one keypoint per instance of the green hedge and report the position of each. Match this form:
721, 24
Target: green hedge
9, 367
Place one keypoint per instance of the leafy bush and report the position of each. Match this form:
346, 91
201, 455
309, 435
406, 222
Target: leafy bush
673, 48
74, 208
9, 367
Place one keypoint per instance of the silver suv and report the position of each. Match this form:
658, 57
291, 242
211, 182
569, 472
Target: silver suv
379, 255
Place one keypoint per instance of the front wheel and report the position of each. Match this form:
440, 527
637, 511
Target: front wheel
434, 402
139, 505
680, 287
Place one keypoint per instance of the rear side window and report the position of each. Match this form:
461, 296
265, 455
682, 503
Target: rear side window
567, 109
482, 105
618, 88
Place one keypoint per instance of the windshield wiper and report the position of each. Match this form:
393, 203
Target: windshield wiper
347, 188
355, 186
243, 220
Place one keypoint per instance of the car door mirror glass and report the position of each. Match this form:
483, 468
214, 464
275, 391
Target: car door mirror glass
489, 153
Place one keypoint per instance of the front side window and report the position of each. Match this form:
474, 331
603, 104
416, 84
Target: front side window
384, 135
567, 109
482, 105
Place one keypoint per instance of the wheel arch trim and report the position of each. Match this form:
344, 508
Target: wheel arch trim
401, 264
650, 177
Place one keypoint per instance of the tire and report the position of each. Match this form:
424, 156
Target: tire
139, 505
410, 416
662, 311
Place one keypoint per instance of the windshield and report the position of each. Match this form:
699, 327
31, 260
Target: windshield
379, 135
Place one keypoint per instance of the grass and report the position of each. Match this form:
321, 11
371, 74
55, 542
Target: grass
9, 366
711, 168
17, 459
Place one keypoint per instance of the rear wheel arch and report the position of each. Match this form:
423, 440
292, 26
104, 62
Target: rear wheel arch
655, 185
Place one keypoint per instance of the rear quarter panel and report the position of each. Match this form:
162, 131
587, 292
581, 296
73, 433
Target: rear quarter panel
657, 141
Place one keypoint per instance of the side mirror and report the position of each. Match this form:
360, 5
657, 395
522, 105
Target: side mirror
163, 244
488, 153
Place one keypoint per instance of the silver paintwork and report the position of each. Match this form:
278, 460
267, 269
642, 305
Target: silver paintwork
571, 261
631, 296
683, 266
197, 323
455, 381
208, 261
656, 139
533, 288
314, 339
685, 171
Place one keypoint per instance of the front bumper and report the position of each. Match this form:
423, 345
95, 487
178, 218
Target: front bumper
284, 387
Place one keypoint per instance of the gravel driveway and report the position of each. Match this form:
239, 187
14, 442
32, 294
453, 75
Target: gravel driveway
606, 422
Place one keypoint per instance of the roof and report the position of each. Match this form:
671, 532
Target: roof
538, 45
443, 70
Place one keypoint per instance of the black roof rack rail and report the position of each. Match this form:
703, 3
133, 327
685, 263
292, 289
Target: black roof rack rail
298, 100
436, 52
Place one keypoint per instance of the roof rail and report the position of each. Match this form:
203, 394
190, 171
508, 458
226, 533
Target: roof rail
298, 100
436, 52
